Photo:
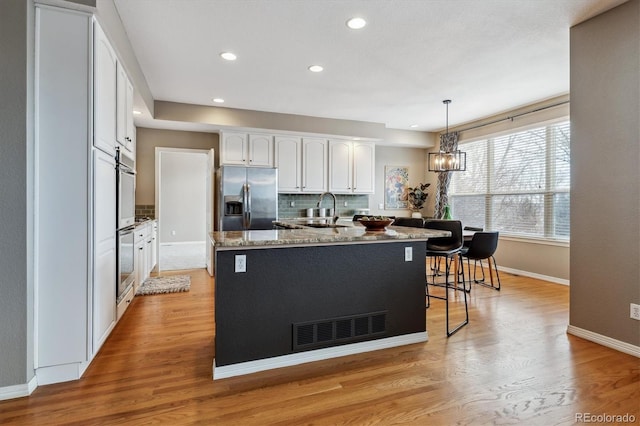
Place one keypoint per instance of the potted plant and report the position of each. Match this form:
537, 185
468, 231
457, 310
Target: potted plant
416, 198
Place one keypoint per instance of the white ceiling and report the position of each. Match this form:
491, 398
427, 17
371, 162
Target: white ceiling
488, 56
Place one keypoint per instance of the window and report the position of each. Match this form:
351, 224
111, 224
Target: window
517, 184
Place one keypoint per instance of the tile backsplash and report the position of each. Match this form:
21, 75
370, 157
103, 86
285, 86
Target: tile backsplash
145, 210
302, 202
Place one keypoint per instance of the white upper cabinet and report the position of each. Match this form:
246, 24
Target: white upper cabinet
340, 166
314, 165
364, 166
125, 130
261, 150
105, 70
288, 160
351, 167
253, 150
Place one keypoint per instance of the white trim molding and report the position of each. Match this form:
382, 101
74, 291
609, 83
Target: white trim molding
625, 347
512, 271
315, 355
18, 391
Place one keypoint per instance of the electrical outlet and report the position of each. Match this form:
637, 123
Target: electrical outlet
241, 263
381, 206
173, 232
408, 254
292, 204
635, 311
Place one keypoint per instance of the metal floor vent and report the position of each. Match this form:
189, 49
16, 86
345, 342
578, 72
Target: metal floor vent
338, 330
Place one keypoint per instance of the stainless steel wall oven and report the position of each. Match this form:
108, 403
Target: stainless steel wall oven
125, 206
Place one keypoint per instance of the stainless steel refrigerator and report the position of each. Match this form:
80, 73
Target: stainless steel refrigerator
247, 198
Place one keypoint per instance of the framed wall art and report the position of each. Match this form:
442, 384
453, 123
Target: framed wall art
396, 179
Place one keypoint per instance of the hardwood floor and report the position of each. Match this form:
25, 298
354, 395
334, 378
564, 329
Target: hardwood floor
513, 364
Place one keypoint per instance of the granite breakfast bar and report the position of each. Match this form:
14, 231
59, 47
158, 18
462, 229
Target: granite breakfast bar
289, 296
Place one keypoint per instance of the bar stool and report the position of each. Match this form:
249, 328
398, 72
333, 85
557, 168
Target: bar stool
447, 249
483, 246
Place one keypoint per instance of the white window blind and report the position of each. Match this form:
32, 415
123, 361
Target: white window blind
516, 183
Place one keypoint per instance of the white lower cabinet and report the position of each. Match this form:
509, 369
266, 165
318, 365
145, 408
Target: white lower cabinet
153, 255
146, 256
124, 303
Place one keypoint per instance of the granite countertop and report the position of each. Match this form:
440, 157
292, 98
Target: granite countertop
299, 234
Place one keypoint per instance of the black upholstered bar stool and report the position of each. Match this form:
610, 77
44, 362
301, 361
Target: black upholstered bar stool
446, 249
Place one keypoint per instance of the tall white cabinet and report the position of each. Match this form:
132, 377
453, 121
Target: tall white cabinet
63, 264
75, 192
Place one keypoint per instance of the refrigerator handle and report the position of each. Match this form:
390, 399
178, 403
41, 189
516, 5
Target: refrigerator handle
246, 203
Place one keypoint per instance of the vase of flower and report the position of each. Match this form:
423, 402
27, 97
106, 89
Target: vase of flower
416, 198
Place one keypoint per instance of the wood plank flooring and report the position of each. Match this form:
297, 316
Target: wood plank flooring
513, 364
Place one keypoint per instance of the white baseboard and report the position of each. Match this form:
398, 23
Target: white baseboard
60, 373
555, 280
625, 347
315, 355
18, 391
178, 243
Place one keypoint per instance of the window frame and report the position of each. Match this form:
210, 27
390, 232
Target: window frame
548, 193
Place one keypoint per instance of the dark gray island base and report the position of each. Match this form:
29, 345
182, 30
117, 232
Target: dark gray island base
301, 300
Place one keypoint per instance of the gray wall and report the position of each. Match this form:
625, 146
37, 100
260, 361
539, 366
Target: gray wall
605, 198
146, 142
16, 332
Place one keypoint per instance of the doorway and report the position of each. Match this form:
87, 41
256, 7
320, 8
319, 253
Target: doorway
183, 199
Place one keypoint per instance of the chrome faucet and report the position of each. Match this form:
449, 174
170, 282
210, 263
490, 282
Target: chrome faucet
335, 211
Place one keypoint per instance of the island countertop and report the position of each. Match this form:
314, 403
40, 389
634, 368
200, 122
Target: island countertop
298, 233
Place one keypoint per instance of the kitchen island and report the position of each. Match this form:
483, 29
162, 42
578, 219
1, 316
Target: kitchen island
288, 296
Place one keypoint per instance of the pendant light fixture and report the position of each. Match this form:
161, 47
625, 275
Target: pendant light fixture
447, 160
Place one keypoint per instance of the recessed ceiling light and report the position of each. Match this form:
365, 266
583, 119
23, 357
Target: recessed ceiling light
356, 23
136, 112
218, 100
414, 125
315, 68
228, 56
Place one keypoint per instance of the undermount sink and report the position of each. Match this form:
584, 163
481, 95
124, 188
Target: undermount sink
324, 225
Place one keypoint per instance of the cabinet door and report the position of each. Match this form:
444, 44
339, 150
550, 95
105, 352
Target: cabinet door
131, 129
261, 150
340, 166
233, 148
121, 106
104, 280
125, 131
105, 65
314, 165
364, 165
288, 160
154, 246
